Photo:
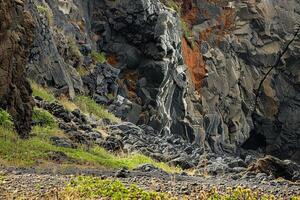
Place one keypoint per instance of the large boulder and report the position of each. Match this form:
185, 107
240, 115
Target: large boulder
277, 168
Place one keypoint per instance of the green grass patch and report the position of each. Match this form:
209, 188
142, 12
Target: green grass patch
86, 104
187, 33
42, 92
35, 151
87, 187
43, 117
46, 11
2, 178
176, 6
89, 106
98, 57
5, 119
73, 48
82, 71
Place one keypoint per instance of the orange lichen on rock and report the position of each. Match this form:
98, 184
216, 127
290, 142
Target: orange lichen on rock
191, 16
226, 20
195, 63
112, 60
206, 34
224, 26
189, 12
129, 80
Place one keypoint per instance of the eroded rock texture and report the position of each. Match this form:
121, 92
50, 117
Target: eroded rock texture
197, 82
239, 46
16, 33
54, 56
145, 36
208, 101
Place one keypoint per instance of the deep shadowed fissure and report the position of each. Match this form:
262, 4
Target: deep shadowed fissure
255, 141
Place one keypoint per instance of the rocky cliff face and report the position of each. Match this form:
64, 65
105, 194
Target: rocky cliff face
239, 45
210, 100
191, 73
16, 33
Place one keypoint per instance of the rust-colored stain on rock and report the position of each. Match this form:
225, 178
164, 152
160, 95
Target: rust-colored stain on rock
195, 63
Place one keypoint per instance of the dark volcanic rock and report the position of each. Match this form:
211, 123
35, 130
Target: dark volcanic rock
146, 37
16, 35
277, 168
52, 60
61, 142
102, 81
145, 140
122, 173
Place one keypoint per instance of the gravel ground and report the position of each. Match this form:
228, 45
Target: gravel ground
43, 184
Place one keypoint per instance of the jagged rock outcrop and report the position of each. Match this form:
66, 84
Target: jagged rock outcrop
16, 35
145, 36
239, 45
55, 56
236, 47
200, 87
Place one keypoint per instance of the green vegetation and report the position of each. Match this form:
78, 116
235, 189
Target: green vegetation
36, 150
73, 48
5, 119
86, 187
98, 57
42, 92
86, 104
67, 104
43, 117
187, 33
176, 6
237, 193
2, 178
89, 106
44, 10
82, 71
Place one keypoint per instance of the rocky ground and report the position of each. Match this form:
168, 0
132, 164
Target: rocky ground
39, 184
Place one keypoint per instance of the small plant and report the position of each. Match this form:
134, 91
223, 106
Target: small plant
87, 187
43, 118
187, 33
44, 10
98, 57
42, 92
2, 178
73, 48
67, 104
5, 119
176, 6
82, 71
237, 193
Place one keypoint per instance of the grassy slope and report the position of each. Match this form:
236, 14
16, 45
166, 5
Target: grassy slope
86, 104
36, 150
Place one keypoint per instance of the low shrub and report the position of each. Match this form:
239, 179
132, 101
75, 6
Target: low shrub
98, 57
43, 118
46, 11
73, 48
42, 92
87, 187
89, 106
5, 119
